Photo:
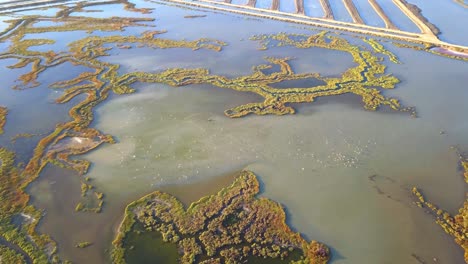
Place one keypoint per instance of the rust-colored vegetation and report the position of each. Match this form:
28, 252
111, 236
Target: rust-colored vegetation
456, 226
14, 203
73, 137
227, 227
3, 116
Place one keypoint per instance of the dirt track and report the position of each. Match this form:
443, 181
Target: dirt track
352, 10
381, 13
328, 13
300, 7
417, 12
425, 29
275, 5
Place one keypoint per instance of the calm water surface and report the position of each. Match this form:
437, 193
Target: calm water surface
344, 174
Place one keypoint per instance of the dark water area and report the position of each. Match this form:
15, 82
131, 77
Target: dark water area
148, 247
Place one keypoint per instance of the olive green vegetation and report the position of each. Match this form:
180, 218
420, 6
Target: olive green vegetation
231, 226
147, 247
3, 115
83, 244
8, 255
456, 226
361, 80
379, 48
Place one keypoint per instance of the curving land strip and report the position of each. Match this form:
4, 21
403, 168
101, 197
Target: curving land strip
300, 7
414, 13
275, 5
328, 12
462, 3
3, 114
381, 13
352, 10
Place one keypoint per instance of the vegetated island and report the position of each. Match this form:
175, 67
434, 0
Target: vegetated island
232, 226
3, 115
456, 226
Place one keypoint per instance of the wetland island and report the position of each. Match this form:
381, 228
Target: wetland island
208, 131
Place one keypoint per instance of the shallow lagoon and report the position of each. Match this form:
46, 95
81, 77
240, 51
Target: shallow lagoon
317, 163
343, 173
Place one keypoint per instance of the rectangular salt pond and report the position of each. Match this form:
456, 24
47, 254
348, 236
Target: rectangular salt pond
313, 8
239, 2
398, 17
339, 11
368, 14
264, 4
287, 6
